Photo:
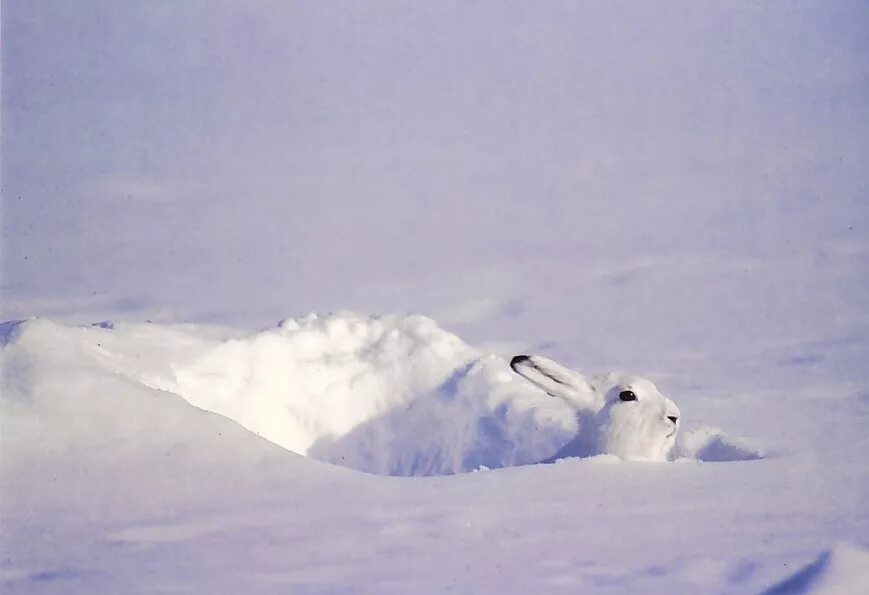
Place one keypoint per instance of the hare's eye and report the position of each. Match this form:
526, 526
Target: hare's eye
627, 395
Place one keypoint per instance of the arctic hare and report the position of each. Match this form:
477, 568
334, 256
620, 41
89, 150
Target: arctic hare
619, 414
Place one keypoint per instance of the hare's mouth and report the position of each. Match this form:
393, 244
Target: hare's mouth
671, 434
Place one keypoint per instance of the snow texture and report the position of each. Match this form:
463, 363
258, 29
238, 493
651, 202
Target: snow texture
113, 482
842, 570
677, 190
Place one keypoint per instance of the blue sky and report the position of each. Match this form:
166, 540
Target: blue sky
489, 163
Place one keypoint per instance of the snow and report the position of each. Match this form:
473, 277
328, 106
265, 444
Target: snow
112, 481
841, 570
672, 190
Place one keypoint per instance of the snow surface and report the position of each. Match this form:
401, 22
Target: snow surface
112, 482
842, 570
677, 189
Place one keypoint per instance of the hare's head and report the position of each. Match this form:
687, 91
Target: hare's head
620, 414
636, 422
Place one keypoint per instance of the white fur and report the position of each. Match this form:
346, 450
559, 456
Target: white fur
639, 430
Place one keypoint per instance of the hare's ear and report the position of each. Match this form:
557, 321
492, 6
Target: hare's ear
555, 379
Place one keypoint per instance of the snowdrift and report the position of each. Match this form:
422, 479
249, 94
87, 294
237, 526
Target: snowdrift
112, 479
394, 395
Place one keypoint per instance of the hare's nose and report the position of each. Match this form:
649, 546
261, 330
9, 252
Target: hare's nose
673, 418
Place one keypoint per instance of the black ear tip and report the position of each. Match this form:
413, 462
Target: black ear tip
518, 360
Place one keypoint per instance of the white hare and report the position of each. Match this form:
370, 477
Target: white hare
619, 414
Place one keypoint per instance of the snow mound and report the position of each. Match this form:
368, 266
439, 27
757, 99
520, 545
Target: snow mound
841, 570
712, 445
393, 395
67, 413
